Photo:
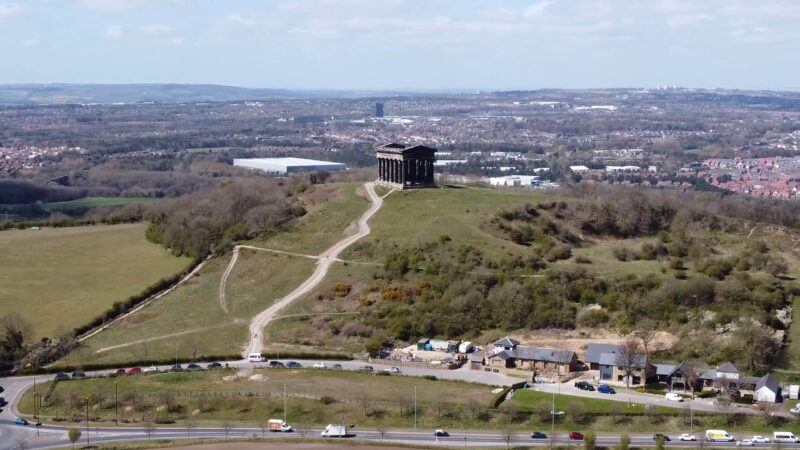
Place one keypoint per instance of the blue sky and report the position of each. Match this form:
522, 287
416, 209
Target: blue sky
404, 44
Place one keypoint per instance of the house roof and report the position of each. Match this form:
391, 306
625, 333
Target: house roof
505, 354
727, 368
665, 370
710, 374
769, 382
610, 359
544, 354
396, 148
593, 351
476, 357
506, 342
393, 145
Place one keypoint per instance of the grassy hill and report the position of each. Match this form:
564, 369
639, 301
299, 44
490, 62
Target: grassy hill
62, 278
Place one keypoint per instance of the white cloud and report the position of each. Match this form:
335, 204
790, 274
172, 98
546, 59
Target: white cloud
9, 10
536, 9
156, 30
114, 32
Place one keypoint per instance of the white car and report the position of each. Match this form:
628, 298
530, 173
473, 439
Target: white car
319, 365
673, 397
391, 370
745, 443
760, 440
796, 409
150, 369
687, 437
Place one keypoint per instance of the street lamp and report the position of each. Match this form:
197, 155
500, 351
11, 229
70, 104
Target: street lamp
87, 421
116, 408
415, 407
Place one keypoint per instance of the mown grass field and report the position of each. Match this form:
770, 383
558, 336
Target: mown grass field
366, 400
331, 210
61, 278
190, 320
94, 202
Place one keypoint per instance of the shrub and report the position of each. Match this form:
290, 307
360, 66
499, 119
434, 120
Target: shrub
327, 400
593, 318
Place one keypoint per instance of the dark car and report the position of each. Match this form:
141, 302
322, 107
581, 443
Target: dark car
294, 365
575, 435
61, 376
118, 373
276, 364
336, 366
78, 374
214, 365
441, 433
3, 401
538, 435
366, 368
661, 436
134, 371
584, 386
606, 389
176, 368
193, 366
2, 389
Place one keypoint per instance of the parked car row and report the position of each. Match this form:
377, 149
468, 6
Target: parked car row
602, 388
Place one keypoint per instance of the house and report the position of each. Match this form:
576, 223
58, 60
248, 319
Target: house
676, 376
593, 352
507, 353
612, 371
476, 360
767, 389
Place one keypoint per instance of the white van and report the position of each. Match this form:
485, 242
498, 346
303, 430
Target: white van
718, 436
785, 436
332, 430
255, 357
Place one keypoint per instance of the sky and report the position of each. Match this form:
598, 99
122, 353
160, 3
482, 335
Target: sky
404, 44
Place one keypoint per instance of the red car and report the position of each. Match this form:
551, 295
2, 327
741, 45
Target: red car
575, 436
134, 370
118, 372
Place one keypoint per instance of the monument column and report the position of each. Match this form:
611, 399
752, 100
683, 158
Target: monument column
430, 171
395, 171
404, 177
380, 169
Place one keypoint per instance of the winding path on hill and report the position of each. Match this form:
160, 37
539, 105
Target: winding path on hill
324, 262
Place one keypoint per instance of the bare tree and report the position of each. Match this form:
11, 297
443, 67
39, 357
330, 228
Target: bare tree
149, 428
508, 434
227, 426
74, 434
189, 422
646, 332
382, 430
474, 407
629, 357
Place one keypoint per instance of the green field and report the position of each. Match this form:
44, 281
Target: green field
411, 217
190, 321
62, 278
94, 202
331, 209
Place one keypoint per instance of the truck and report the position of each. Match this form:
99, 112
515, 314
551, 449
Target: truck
278, 425
718, 436
332, 430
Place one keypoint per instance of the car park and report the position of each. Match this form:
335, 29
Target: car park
134, 371
276, 364
60, 376
606, 389
293, 365
193, 366
575, 435
337, 366
214, 365
441, 433
584, 385
760, 439
673, 397
687, 437
366, 369
151, 369
658, 436
319, 365
538, 435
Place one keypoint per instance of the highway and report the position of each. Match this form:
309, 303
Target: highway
53, 436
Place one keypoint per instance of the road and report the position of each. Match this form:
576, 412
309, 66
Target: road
262, 319
52, 436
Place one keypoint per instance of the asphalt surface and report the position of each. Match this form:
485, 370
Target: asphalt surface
12, 435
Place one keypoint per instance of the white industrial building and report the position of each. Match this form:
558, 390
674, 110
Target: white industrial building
288, 165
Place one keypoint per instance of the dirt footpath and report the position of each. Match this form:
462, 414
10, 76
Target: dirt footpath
280, 446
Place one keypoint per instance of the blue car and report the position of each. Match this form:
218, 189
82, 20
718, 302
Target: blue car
60, 376
176, 368
214, 365
606, 389
193, 366
20, 421
294, 365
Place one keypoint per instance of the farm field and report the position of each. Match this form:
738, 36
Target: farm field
94, 202
190, 322
61, 278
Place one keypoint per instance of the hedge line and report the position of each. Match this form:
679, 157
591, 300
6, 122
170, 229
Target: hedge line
120, 308
140, 363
